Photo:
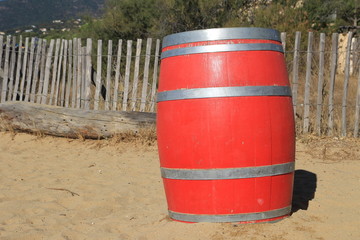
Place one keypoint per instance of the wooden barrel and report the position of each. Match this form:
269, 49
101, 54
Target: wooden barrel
225, 126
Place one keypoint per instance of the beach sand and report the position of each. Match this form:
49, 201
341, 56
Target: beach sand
58, 188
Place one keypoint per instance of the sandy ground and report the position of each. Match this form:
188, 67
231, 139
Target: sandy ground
57, 188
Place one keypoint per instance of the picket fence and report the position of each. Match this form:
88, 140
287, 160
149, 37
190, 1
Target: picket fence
120, 77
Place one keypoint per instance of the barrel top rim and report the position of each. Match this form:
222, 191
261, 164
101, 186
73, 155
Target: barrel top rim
213, 34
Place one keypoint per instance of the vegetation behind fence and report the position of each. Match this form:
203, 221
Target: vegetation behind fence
123, 75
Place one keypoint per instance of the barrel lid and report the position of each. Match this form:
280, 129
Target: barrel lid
221, 34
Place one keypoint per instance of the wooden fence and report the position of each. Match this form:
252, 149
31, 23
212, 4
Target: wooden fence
62, 73
323, 72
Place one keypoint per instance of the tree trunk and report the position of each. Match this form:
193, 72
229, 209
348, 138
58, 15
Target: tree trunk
69, 122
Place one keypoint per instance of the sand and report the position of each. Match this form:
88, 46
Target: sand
58, 188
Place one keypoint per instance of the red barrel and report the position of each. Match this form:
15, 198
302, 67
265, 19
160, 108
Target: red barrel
225, 126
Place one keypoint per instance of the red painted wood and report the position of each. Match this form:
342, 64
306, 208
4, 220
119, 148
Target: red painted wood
228, 132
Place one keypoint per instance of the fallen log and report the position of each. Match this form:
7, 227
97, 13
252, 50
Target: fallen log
70, 122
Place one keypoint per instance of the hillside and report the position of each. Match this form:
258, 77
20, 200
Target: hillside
18, 13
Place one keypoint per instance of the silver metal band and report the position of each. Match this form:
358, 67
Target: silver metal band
223, 48
243, 217
220, 34
216, 92
227, 173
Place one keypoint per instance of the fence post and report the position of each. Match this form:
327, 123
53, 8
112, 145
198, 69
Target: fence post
79, 73
333, 67
30, 70
18, 69
308, 84
58, 75
88, 73
136, 75
53, 81
1, 49
69, 75
74, 74
319, 102
117, 75
6, 70
146, 75
12, 68
47, 72
346, 85
155, 73
108, 76
357, 108
283, 40
63, 81
83, 77
127, 75
42, 71
36, 71
98, 74
295, 71
22, 84
355, 55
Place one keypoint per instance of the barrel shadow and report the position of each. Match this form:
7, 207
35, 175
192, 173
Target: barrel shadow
305, 183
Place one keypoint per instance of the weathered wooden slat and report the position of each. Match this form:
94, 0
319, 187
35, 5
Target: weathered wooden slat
18, 70
117, 76
136, 75
357, 109
98, 75
54, 71
83, 76
1, 49
58, 75
47, 72
308, 84
42, 71
24, 67
79, 74
154, 77
346, 85
30, 70
355, 55
295, 71
283, 40
108, 76
36, 70
69, 75
88, 73
63, 80
70, 122
6, 70
146, 75
333, 69
12, 69
320, 96
74, 78
127, 75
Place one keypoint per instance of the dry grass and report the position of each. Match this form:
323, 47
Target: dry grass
145, 136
